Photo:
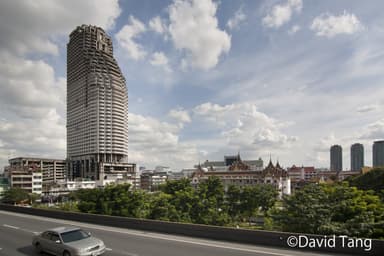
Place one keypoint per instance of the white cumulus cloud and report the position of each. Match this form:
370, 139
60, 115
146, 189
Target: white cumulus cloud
194, 29
32, 95
155, 142
282, 13
236, 20
241, 125
127, 35
294, 29
367, 108
180, 115
157, 24
329, 25
159, 59
373, 131
31, 26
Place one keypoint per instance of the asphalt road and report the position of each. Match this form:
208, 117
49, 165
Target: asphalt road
17, 230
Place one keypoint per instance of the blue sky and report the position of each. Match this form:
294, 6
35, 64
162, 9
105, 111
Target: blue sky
287, 78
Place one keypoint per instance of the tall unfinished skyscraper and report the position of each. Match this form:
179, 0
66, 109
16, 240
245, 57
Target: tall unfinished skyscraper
97, 108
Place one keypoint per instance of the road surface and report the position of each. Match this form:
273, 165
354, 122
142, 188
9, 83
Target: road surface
17, 230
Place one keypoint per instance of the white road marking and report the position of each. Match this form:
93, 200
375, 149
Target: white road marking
166, 237
108, 249
26, 230
162, 237
9, 226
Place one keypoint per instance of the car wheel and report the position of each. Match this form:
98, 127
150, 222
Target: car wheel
38, 248
66, 253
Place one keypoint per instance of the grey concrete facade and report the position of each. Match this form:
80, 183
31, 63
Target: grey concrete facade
53, 170
336, 158
97, 107
378, 153
357, 157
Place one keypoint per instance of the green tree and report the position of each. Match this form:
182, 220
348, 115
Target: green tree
332, 209
305, 211
250, 202
15, 195
116, 200
255, 198
209, 208
354, 211
267, 196
171, 187
162, 209
89, 200
182, 197
138, 204
372, 180
233, 197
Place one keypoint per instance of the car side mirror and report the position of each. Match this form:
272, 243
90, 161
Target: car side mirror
58, 241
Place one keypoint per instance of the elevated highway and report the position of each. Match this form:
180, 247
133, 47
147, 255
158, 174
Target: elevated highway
16, 231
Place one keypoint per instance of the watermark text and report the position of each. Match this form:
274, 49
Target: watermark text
303, 241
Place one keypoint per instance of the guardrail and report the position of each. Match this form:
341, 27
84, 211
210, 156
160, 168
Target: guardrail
255, 237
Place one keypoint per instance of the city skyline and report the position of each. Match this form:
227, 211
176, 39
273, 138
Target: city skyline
241, 77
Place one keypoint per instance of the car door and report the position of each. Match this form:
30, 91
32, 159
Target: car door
55, 244
45, 240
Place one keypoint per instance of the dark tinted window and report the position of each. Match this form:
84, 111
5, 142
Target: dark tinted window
46, 235
74, 235
55, 237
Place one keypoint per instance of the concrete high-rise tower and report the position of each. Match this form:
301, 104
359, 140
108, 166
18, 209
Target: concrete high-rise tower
378, 153
97, 108
336, 158
357, 157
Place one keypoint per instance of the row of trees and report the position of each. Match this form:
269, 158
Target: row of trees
353, 208
179, 201
332, 209
18, 196
316, 208
372, 180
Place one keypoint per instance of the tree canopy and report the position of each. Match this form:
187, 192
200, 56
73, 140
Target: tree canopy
17, 195
332, 209
372, 180
179, 201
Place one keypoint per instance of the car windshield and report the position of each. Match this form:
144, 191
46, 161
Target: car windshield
74, 235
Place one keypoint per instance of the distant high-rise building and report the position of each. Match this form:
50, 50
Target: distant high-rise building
97, 108
357, 157
336, 158
378, 153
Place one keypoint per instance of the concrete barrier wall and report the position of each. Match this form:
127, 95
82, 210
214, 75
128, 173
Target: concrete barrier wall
255, 237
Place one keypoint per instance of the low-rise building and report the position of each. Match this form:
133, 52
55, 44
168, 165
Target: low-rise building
27, 178
303, 173
176, 176
308, 174
239, 174
151, 181
187, 173
53, 170
126, 175
336, 176
65, 187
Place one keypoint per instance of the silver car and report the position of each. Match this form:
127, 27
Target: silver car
68, 241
